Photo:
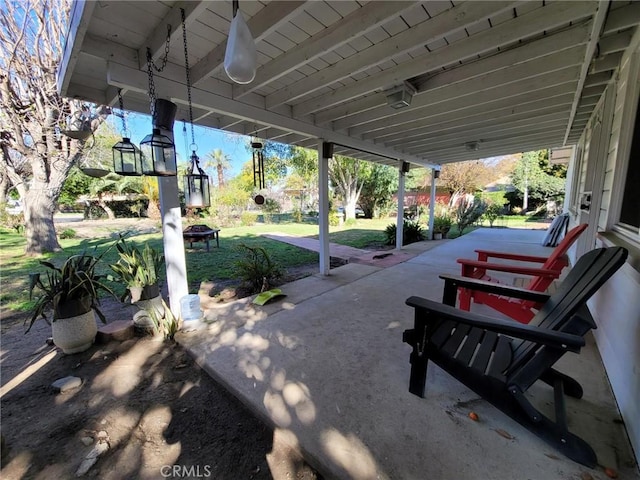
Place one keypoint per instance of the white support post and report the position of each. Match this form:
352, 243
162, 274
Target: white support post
432, 201
324, 153
174, 257
400, 215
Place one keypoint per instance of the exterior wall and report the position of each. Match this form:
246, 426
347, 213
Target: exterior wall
616, 306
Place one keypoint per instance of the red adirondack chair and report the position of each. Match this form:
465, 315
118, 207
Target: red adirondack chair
542, 277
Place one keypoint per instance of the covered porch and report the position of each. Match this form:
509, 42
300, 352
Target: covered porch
327, 368
474, 79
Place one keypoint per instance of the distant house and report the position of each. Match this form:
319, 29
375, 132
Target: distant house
501, 184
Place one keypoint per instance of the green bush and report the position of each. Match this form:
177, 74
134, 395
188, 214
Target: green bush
469, 210
350, 222
68, 233
296, 214
334, 219
492, 212
442, 224
411, 232
248, 218
256, 268
14, 222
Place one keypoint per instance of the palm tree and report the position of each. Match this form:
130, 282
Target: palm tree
220, 161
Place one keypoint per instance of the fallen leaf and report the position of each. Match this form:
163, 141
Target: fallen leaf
473, 416
504, 434
610, 472
586, 476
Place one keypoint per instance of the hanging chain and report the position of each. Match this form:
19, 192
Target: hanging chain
167, 47
188, 73
121, 104
194, 147
151, 66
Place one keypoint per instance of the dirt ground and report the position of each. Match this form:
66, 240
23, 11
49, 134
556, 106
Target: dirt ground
143, 410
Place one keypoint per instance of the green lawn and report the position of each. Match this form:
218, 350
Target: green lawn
218, 264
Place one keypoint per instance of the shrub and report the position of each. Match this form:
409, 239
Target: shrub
296, 214
256, 268
492, 212
442, 224
469, 210
334, 218
8, 220
350, 222
411, 232
68, 233
248, 218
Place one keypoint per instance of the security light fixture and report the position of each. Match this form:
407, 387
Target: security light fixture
472, 146
400, 96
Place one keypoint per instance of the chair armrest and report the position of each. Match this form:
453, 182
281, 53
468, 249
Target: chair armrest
456, 281
438, 312
499, 267
484, 254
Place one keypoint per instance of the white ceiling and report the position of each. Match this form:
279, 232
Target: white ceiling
498, 76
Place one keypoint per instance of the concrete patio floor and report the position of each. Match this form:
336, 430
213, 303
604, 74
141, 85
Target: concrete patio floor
327, 368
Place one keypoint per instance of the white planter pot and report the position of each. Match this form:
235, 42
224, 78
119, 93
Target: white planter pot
75, 334
152, 304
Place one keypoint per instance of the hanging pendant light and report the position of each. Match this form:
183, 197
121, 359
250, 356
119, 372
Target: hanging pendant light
126, 156
196, 182
158, 150
240, 58
196, 185
158, 155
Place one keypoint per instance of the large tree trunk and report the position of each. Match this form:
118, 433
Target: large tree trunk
39, 227
106, 208
41, 199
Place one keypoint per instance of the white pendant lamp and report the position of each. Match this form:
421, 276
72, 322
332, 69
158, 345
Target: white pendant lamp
240, 58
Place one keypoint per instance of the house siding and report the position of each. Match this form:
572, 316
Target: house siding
616, 306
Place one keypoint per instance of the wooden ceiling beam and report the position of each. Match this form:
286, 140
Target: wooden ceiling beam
452, 20
551, 16
355, 24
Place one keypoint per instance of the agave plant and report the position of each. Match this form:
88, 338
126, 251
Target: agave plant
72, 289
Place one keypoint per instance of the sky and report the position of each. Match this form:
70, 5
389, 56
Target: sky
206, 140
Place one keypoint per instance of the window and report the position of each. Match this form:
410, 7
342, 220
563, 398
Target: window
630, 211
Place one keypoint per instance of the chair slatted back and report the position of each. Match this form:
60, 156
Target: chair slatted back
555, 260
590, 272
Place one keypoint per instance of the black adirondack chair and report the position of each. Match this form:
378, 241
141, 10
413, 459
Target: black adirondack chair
501, 359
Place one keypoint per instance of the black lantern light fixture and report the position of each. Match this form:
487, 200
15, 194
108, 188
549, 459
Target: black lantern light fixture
158, 155
196, 182
126, 156
158, 150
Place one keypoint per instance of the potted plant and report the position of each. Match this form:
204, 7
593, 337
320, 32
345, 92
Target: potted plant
138, 270
441, 226
72, 291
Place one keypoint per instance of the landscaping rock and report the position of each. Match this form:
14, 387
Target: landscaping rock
67, 383
120, 330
